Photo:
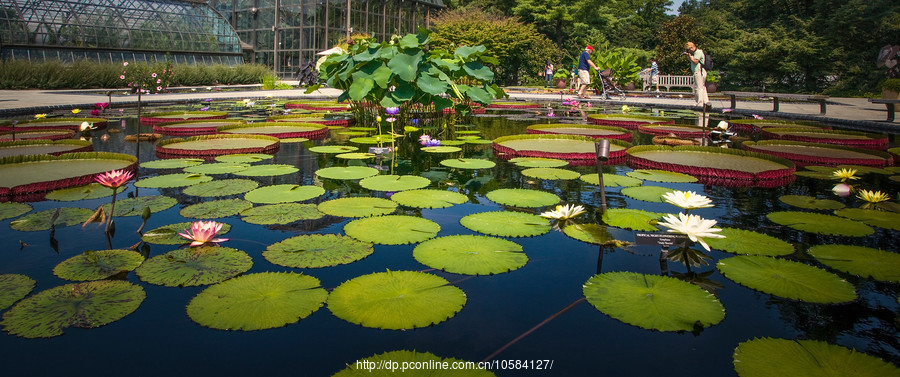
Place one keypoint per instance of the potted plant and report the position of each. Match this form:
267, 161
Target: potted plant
560, 77
890, 89
712, 81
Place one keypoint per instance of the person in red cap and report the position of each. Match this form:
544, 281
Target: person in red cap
584, 74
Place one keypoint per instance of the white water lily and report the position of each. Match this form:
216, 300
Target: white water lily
85, 126
563, 212
693, 226
723, 125
842, 190
687, 199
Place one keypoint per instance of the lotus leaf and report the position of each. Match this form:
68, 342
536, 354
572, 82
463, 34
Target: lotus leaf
357, 207
243, 158
87, 305
135, 206
523, 198
348, 172
283, 194
468, 163
740, 241
506, 224
225, 187
393, 183
881, 219
216, 209
611, 180
551, 173
821, 224
356, 156
9, 210
334, 149
661, 176
41, 220
194, 266
783, 278
217, 168
96, 265
396, 300
175, 163
173, 180
168, 235
538, 162
14, 287
267, 170
471, 255
652, 301
634, 219
590, 233
317, 250
861, 261
392, 229
809, 202
420, 358
441, 149
647, 193
784, 357
257, 301
284, 213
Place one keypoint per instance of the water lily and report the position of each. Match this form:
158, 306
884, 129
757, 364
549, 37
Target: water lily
424, 138
391, 119
95, 112
432, 143
392, 110
625, 108
202, 232
76, 111
114, 179
757, 117
723, 125
687, 199
845, 174
693, 226
40, 116
842, 190
872, 196
204, 108
727, 110
85, 126
564, 212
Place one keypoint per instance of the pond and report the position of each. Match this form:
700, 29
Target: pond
532, 320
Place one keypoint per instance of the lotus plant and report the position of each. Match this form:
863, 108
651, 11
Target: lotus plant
203, 232
564, 212
693, 226
687, 200
113, 179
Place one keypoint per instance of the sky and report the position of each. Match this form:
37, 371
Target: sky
674, 8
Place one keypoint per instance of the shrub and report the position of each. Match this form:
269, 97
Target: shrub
890, 84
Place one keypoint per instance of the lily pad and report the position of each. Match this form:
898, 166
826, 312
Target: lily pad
471, 255
194, 266
135, 206
647, 193
89, 191
784, 357
396, 300
357, 207
881, 219
809, 202
392, 229
661, 176
506, 224
590, 233
861, 261
788, 279
258, 301
173, 180
334, 149
317, 250
284, 213
551, 173
441, 149
393, 183
14, 287
523, 198
468, 163
652, 301
821, 224
168, 234
347, 172
410, 357
740, 241
356, 156
283, 194
225, 187
39, 221
87, 305
538, 162
427, 198
375, 139
96, 265
243, 158
815, 175
217, 168
174, 163
267, 170
634, 219
216, 209
611, 180
9, 210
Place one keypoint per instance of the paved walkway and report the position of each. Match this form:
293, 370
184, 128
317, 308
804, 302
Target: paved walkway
853, 113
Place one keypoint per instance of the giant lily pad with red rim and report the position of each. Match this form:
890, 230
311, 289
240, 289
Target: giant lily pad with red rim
578, 150
804, 153
679, 130
714, 164
278, 129
471, 254
859, 260
70, 124
788, 279
845, 138
785, 357
753, 125
150, 119
51, 147
37, 135
630, 122
194, 266
317, 250
211, 146
328, 119
193, 127
21, 175
589, 130
392, 229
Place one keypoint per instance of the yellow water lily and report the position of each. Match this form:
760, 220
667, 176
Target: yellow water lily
845, 174
40, 116
76, 111
872, 196
625, 108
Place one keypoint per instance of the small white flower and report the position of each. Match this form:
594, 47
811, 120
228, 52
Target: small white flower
687, 199
85, 126
563, 212
693, 226
723, 125
842, 190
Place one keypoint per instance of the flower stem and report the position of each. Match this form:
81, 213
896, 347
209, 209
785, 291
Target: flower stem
112, 208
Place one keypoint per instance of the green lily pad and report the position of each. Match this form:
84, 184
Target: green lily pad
9, 210
135, 206
392, 229
173, 180
661, 176
89, 191
590, 233
634, 219
611, 180
788, 279
284, 213
652, 301
258, 301
452, 143
740, 241
39, 221
317, 250
267, 170
168, 234
821, 224
243, 158
523, 198
353, 133
347, 172
468, 163
814, 175
334, 149
174, 163
393, 183
14, 287
809, 202
217, 168
216, 209
409, 357
784, 357
551, 173
441, 149
471, 255
194, 266
86, 305
357, 207
881, 219
538, 162
858, 260
429, 198
96, 265
396, 300
376, 139
294, 140
479, 141
356, 156
283, 194
506, 224
224, 187
647, 193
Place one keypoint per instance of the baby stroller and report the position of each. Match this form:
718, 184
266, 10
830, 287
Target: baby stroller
609, 88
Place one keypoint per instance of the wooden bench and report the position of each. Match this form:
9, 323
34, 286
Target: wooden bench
890, 106
666, 81
776, 96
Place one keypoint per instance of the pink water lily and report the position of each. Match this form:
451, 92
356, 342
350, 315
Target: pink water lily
114, 179
202, 232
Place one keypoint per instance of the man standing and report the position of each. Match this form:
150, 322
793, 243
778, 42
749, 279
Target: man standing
654, 75
697, 58
584, 73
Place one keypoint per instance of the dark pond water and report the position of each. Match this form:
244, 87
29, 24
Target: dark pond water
160, 339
